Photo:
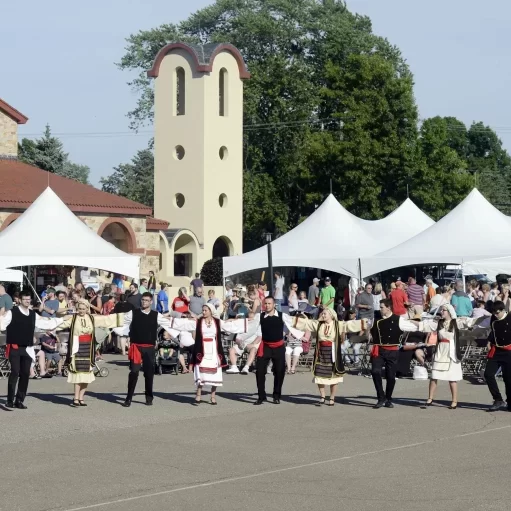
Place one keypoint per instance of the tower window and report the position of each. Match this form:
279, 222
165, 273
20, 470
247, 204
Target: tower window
180, 91
223, 92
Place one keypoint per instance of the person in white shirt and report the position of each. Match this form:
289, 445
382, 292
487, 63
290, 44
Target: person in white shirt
20, 323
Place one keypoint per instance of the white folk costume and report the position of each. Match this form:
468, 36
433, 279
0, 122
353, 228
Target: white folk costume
208, 356
328, 367
81, 350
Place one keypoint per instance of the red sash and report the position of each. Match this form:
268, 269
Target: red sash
8, 349
134, 354
325, 343
276, 344
85, 338
444, 340
493, 350
375, 352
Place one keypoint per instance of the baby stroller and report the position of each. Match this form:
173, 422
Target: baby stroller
166, 361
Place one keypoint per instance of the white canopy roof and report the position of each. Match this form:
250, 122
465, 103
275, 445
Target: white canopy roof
334, 239
11, 275
475, 230
48, 232
402, 224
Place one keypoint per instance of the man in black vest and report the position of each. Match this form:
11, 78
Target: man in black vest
143, 330
20, 323
272, 347
386, 337
499, 356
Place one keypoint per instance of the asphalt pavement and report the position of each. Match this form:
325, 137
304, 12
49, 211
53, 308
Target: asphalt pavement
292, 456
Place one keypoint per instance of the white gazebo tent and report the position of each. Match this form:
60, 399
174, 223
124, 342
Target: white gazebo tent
331, 238
402, 224
334, 239
473, 231
48, 232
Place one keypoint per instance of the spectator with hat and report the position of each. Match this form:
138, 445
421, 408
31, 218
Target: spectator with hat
327, 295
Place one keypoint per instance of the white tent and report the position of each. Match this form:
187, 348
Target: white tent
334, 239
48, 232
473, 231
11, 275
402, 224
330, 238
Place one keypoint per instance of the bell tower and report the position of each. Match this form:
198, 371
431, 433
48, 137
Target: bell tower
198, 147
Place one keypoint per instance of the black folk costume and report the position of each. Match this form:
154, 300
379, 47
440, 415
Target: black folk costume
386, 336
20, 324
328, 366
499, 356
142, 328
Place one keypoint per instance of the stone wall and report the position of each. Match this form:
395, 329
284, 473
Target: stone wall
8, 136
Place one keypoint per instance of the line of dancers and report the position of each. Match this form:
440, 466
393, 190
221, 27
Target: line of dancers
208, 357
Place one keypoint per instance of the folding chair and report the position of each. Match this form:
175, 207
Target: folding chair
5, 366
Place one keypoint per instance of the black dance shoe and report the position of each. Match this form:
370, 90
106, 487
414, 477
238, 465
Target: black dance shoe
259, 402
276, 401
497, 405
9, 404
379, 404
127, 403
19, 405
149, 401
389, 404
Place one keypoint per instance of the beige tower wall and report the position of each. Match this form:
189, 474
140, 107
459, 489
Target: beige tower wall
201, 176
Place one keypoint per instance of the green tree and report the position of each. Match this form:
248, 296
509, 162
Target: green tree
133, 180
296, 51
48, 154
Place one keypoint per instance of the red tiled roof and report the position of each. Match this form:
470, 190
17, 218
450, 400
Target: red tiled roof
155, 224
21, 184
12, 112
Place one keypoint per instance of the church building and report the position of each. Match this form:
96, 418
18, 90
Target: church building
198, 181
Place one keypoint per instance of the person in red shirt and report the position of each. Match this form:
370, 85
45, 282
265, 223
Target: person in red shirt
399, 300
181, 302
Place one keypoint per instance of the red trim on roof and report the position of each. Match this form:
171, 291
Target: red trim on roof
155, 224
12, 112
21, 184
155, 70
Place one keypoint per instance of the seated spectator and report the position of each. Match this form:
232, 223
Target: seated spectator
242, 343
240, 307
50, 352
181, 301
50, 305
108, 306
165, 343
63, 305
302, 301
212, 299
351, 341
292, 298
293, 351
480, 312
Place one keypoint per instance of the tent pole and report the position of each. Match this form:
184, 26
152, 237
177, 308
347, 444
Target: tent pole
463, 276
359, 272
30, 284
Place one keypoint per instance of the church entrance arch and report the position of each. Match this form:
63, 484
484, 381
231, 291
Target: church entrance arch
222, 247
119, 233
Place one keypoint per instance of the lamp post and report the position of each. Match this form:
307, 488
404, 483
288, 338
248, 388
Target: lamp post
270, 261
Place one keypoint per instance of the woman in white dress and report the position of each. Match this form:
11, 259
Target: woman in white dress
208, 356
446, 360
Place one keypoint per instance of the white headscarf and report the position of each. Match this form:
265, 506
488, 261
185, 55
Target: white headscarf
331, 312
213, 310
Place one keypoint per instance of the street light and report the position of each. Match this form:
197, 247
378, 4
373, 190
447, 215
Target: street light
270, 261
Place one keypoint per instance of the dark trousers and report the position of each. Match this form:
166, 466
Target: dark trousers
278, 357
501, 359
148, 358
20, 369
387, 359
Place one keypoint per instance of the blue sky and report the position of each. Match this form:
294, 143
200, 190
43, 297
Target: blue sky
57, 64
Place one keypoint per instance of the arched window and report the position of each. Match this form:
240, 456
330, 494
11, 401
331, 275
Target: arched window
180, 91
223, 91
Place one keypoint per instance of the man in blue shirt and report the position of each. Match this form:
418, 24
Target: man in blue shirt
50, 305
461, 302
5, 301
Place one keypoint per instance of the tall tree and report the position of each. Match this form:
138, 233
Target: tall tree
133, 180
48, 154
294, 49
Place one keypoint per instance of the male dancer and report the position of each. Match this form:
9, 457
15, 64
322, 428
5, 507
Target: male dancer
142, 325
271, 333
386, 338
20, 323
499, 356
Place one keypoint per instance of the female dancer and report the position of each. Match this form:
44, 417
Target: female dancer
81, 348
208, 356
328, 365
446, 360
